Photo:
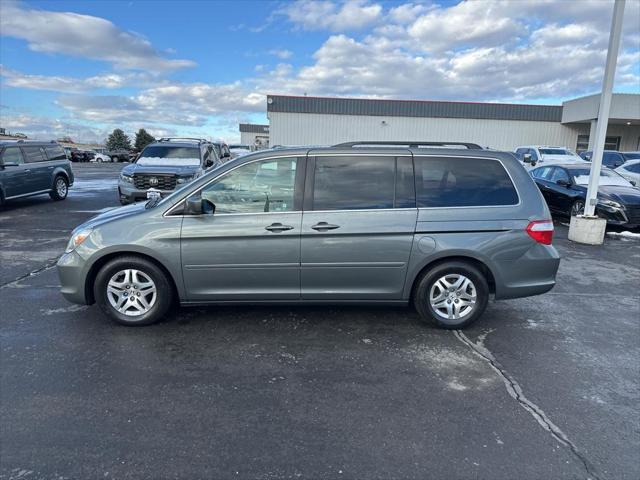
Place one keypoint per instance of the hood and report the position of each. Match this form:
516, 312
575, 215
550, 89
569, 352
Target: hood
562, 158
180, 170
114, 214
621, 194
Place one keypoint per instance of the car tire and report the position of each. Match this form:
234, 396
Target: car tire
115, 159
127, 277
451, 295
577, 208
60, 188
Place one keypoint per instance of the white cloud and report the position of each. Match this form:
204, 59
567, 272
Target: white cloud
281, 53
328, 15
83, 36
64, 84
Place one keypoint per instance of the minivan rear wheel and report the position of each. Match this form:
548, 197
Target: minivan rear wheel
451, 295
133, 291
60, 188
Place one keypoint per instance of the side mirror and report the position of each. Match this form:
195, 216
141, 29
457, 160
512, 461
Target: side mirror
587, 158
564, 183
226, 155
526, 158
208, 163
196, 205
632, 182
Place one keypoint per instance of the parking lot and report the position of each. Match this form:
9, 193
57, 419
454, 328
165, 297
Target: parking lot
541, 387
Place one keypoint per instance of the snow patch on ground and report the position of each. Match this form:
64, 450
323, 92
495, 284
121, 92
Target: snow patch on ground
71, 308
90, 187
624, 235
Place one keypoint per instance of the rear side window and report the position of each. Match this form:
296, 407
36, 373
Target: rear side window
353, 183
55, 153
33, 154
12, 155
462, 182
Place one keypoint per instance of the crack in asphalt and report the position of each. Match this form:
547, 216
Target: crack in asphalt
515, 391
47, 266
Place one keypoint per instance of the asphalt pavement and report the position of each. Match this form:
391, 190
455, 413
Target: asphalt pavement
546, 387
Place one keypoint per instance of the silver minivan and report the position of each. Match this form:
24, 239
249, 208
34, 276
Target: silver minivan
442, 229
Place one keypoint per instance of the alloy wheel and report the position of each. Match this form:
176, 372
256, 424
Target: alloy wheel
131, 292
61, 188
453, 296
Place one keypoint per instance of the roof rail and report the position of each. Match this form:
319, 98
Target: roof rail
470, 146
169, 139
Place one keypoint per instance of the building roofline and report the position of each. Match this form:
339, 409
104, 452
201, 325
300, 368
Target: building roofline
412, 108
415, 101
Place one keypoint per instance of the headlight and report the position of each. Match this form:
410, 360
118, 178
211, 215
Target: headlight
77, 238
185, 179
126, 178
609, 203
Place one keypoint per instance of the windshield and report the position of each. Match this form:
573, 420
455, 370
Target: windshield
556, 151
607, 177
169, 155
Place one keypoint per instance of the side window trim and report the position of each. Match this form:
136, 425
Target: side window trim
515, 186
301, 161
307, 204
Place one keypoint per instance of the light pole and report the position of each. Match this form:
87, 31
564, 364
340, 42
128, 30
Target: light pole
589, 229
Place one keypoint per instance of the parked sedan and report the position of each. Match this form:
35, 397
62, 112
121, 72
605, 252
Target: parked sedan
564, 187
631, 171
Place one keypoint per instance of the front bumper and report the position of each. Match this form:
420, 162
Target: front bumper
72, 274
128, 193
619, 216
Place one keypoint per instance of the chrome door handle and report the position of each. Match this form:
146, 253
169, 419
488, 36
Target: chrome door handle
324, 226
278, 227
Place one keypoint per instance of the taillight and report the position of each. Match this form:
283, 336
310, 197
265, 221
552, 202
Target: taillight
541, 231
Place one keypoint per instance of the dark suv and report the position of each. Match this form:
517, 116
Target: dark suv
32, 168
164, 165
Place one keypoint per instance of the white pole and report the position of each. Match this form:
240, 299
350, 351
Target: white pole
605, 104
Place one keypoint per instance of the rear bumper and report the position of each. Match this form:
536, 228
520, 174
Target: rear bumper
532, 274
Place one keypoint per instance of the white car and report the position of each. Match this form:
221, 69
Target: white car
631, 171
99, 157
542, 154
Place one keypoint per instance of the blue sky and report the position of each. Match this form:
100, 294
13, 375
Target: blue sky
200, 68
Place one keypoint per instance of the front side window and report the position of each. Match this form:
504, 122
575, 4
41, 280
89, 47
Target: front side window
33, 154
12, 155
353, 183
257, 187
559, 174
612, 159
462, 182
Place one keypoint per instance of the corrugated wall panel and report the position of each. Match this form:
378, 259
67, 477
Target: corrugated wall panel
316, 129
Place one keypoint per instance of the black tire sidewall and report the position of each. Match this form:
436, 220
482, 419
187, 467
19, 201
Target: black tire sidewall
164, 292
421, 296
54, 193
579, 200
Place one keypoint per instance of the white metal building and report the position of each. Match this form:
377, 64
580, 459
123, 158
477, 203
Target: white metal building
327, 121
256, 136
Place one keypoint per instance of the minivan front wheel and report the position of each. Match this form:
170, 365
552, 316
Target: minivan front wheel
133, 291
60, 188
452, 295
